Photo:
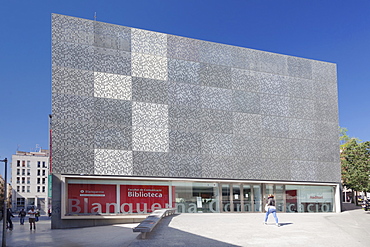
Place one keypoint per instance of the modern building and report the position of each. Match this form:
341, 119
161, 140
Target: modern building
145, 120
2, 193
30, 171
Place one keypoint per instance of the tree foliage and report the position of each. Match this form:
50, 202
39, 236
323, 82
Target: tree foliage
355, 162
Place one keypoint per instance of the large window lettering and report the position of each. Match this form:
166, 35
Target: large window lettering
121, 197
309, 199
92, 199
143, 198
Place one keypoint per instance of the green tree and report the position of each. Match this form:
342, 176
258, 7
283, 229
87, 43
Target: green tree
355, 162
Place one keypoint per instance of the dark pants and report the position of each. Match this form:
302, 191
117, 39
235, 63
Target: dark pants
10, 223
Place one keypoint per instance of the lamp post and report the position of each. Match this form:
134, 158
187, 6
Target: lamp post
5, 201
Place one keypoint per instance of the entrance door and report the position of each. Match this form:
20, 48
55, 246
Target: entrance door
241, 198
279, 192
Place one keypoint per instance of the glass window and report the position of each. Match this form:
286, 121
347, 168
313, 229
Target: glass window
18, 172
38, 180
310, 199
279, 197
257, 198
38, 172
23, 189
43, 180
28, 163
196, 197
247, 197
20, 202
28, 172
18, 188
28, 189
28, 180
24, 172
43, 172
38, 188
18, 180
43, 164
38, 164
23, 163
236, 198
43, 188
18, 163
225, 190
23, 180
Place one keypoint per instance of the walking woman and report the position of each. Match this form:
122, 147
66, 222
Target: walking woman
271, 209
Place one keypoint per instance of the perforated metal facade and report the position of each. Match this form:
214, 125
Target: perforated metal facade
127, 101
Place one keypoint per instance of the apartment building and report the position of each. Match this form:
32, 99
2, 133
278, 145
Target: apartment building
30, 171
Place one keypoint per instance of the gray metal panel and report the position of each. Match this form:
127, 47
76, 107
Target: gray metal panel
113, 162
185, 165
150, 164
185, 142
110, 136
215, 75
112, 111
183, 71
112, 36
149, 90
73, 81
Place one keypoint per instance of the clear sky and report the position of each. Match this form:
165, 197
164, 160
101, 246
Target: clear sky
332, 30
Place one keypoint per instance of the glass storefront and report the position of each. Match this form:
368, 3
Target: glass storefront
309, 199
122, 197
194, 197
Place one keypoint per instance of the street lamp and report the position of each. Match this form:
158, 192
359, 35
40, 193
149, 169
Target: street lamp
5, 200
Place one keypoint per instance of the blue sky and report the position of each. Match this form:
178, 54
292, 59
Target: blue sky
333, 30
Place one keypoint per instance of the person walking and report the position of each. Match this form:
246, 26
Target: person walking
271, 209
9, 216
22, 215
32, 218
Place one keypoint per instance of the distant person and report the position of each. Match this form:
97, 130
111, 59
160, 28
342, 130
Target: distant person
37, 215
22, 215
9, 215
49, 212
271, 209
32, 218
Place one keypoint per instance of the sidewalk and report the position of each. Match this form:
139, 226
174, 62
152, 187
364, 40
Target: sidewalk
350, 228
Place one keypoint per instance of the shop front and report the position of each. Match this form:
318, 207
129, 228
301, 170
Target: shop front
97, 196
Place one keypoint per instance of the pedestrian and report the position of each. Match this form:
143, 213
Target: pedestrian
9, 216
49, 212
37, 215
271, 209
22, 215
32, 218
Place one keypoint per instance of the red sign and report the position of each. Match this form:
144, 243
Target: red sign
92, 198
143, 198
102, 198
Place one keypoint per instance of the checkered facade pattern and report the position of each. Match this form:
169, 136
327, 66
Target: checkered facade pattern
127, 101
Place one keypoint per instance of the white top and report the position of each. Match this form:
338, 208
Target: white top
32, 213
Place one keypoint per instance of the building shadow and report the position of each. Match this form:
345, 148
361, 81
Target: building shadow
164, 235
347, 206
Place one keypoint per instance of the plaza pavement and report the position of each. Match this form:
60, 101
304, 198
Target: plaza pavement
349, 228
